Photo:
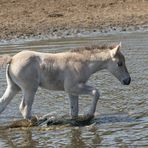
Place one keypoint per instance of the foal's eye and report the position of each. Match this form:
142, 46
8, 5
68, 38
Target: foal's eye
120, 64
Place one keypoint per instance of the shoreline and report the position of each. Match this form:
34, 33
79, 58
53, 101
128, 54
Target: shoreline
75, 33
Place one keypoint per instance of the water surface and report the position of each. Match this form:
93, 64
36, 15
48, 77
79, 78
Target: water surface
122, 111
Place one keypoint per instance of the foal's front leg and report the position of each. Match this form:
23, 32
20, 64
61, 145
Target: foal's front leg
83, 89
74, 105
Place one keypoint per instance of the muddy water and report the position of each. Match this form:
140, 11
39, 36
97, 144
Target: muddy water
122, 111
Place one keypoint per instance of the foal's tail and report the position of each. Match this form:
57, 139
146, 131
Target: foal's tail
12, 87
4, 60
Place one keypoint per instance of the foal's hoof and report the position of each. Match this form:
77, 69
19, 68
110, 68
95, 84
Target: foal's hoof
82, 120
88, 117
34, 120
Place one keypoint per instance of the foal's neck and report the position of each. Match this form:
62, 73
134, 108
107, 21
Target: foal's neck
99, 61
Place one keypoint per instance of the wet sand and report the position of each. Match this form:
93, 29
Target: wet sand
54, 18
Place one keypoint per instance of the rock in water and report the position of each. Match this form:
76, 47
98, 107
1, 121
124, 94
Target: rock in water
49, 121
79, 121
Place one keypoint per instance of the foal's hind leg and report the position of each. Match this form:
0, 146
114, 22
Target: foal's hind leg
10, 92
26, 104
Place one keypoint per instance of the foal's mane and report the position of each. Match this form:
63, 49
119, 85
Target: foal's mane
92, 48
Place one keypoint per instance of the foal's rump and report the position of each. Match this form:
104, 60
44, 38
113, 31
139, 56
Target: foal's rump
24, 70
21, 74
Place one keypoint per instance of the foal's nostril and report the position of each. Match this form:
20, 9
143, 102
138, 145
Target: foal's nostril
127, 81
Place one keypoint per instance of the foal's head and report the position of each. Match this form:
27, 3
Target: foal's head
117, 67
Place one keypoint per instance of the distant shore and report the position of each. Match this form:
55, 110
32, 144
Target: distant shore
65, 18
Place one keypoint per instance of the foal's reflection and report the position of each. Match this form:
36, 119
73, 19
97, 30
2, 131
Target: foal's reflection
18, 138
77, 140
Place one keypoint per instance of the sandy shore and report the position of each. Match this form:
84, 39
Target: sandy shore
60, 18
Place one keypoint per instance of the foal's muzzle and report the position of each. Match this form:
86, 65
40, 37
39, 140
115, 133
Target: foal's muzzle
127, 81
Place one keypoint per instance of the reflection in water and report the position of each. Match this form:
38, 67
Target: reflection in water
24, 138
80, 141
76, 139
18, 138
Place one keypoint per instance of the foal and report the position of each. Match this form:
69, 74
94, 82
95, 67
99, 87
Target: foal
68, 71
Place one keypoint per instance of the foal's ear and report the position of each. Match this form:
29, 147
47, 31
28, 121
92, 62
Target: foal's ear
115, 50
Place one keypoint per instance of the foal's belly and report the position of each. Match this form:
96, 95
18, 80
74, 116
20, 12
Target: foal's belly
51, 79
52, 85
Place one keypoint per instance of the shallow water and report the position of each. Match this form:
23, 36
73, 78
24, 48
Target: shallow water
122, 112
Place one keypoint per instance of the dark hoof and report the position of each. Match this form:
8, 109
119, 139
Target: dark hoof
82, 120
